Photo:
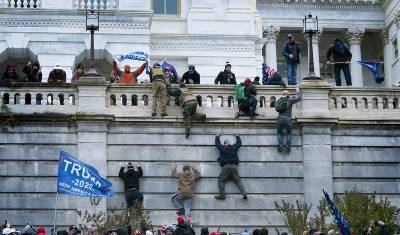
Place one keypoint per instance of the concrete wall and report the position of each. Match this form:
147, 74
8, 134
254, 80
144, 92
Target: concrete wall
335, 147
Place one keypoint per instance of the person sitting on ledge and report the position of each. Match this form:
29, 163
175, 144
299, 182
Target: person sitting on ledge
32, 71
79, 72
9, 76
127, 77
271, 76
245, 95
57, 75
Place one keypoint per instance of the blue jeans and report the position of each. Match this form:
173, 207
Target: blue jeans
284, 123
291, 73
182, 202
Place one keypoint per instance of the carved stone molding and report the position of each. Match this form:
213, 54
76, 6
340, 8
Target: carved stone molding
397, 18
354, 35
385, 35
271, 32
199, 46
70, 23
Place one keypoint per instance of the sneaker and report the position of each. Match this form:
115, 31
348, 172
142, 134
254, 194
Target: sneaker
280, 148
287, 149
153, 114
180, 211
220, 197
244, 196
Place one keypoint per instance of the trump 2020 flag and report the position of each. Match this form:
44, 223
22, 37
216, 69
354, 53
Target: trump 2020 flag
137, 55
375, 68
341, 222
80, 179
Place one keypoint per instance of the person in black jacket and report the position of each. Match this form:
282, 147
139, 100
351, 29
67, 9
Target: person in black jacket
183, 228
32, 71
226, 76
248, 107
229, 161
9, 76
131, 183
191, 76
341, 57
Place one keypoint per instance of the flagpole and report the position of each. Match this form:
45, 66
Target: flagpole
55, 215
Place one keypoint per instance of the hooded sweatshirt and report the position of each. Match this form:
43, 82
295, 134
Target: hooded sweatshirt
186, 182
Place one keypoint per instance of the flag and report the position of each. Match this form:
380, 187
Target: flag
137, 55
170, 67
375, 68
80, 179
341, 222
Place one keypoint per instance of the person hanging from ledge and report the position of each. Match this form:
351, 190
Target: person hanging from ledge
127, 77
284, 107
245, 95
271, 76
159, 88
189, 105
341, 57
226, 76
10, 76
229, 160
191, 76
78, 73
57, 75
131, 184
32, 71
186, 182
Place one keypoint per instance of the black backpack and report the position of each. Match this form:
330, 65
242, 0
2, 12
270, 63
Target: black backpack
282, 105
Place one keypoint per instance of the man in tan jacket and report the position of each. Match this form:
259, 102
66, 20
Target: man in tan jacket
186, 181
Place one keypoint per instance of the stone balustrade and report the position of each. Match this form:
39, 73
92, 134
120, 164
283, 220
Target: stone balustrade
29, 4
96, 4
215, 101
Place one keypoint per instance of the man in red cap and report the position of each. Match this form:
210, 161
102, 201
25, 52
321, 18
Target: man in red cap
183, 228
248, 103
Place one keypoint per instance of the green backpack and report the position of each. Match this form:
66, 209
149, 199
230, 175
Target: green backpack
239, 93
282, 105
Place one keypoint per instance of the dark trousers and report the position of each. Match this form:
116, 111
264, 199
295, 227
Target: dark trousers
189, 113
229, 172
131, 196
249, 106
284, 123
346, 70
276, 80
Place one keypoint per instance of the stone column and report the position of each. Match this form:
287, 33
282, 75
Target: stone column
270, 33
387, 57
315, 46
354, 35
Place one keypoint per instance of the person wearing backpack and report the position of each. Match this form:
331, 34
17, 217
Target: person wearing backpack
284, 107
245, 94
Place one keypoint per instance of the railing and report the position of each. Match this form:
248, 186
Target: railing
96, 4
20, 4
25, 98
215, 101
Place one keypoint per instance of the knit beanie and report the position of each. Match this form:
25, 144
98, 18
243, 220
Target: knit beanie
228, 64
180, 220
247, 81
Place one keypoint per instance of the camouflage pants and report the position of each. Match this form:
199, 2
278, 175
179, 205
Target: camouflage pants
159, 92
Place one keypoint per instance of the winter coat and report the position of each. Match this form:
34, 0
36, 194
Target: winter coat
228, 154
337, 56
186, 182
184, 229
225, 77
57, 76
128, 78
188, 78
131, 178
31, 75
291, 48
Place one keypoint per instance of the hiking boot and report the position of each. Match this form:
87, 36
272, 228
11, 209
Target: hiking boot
287, 149
280, 149
220, 197
153, 114
181, 211
244, 196
164, 114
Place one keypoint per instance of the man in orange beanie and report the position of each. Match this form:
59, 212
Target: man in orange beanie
127, 77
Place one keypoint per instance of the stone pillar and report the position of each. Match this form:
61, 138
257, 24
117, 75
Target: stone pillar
354, 35
316, 124
92, 132
387, 57
271, 34
315, 46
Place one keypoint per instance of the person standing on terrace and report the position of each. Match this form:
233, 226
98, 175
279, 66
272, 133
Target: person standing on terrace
127, 77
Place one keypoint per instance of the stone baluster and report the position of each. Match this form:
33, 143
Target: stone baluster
270, 33
354, 35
